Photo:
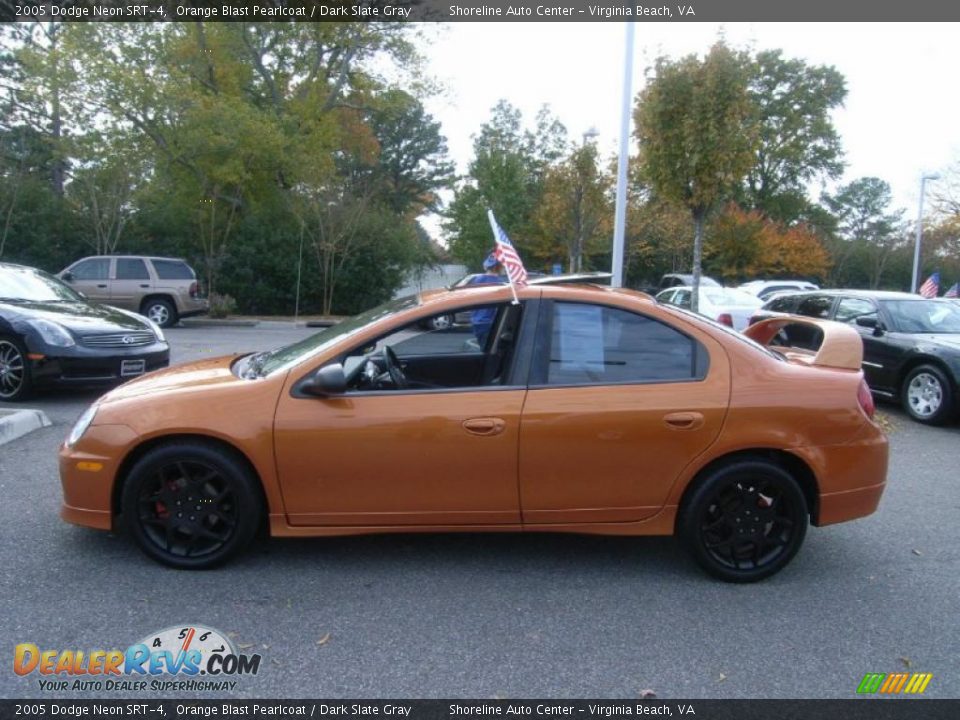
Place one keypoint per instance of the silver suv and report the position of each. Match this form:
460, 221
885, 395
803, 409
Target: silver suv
163, 289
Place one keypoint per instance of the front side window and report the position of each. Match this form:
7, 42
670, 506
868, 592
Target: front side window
594, 344
849, 309
93, 269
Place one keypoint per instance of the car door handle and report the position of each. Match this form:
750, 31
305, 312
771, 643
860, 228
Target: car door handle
144, 286
101, 286
484, 426
683, 420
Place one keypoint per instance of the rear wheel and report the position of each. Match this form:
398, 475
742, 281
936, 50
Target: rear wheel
744, 521
927, 395
160, 311
16, 382
191, 505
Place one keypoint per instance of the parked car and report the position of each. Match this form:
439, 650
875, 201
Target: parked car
911, 345
587, 409
727, 306
162, 289
766, 289
682, 280
49, 334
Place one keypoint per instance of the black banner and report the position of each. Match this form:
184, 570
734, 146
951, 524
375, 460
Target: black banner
477, 10
855, 709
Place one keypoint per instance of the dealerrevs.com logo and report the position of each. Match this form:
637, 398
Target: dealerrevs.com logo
196, 657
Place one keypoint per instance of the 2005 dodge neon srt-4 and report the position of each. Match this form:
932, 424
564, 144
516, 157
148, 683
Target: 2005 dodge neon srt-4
580, 409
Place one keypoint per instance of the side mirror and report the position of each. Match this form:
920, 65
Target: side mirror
67, 277
871, 322
328, 380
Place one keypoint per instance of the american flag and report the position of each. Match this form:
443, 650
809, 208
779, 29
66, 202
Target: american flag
931, 286
506, 254
954, 291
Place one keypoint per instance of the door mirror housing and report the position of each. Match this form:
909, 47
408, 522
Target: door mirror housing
67, 277
872, 322
328, 380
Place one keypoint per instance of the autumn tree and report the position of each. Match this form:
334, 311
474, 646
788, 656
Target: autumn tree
695, 123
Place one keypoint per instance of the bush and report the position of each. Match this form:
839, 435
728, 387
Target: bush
221, 305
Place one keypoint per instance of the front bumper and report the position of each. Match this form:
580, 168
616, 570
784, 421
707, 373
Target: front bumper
89, 366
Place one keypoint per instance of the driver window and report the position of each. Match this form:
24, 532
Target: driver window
469, 348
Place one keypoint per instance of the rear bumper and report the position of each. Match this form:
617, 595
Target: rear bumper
842, 506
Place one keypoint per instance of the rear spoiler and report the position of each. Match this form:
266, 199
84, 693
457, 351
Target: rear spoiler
841, 346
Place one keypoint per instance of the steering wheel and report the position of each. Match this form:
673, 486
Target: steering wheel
392, 365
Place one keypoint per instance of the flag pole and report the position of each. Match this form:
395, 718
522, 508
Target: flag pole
493, 229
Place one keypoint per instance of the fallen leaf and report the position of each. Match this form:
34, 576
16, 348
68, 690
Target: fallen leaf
266, 647
244, 646
906, 662
916, 552
232, 634
324, 639
648, 693
722, 677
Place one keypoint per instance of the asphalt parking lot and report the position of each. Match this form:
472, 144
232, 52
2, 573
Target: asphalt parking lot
483, 616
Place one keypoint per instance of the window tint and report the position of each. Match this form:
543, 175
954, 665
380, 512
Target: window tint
849, 309
132, 269
782, 304
593, 344
817, 306
93, 269
173, 270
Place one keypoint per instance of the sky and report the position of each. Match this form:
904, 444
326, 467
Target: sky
901, 117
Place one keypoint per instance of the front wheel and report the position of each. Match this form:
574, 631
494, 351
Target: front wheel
16, 382
744, 521
927, 395
191, 505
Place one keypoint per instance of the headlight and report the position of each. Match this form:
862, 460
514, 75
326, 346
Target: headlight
53, 333
80, 427
156, 329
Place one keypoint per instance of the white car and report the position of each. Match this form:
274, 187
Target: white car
728, 306
766, 289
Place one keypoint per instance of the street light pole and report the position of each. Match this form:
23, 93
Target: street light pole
916, 248
620, 213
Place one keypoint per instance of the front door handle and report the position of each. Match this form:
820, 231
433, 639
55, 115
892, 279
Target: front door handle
484, 426
683, 420
101, 286
144, 286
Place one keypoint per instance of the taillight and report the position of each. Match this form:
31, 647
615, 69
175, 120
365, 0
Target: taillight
725, 319
865, 398
194, 289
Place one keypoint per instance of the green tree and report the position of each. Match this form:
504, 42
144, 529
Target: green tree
796, 139
696, 126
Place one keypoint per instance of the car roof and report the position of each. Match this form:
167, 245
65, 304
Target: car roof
874, 294
501, 291
127, 255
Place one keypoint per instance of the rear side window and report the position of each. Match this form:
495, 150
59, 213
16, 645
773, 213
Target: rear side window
173, 270
132, 269
817, 306
593, 344
93, 269
781, 304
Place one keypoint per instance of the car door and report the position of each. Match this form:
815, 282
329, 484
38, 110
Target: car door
131, 282
619, 404
426, 455
91, 277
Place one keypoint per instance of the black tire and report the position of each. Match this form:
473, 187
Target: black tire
161, 311
744, 521
927, 395
191, 505
16, 379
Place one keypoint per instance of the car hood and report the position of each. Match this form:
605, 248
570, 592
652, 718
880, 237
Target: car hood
186, 378
83, 318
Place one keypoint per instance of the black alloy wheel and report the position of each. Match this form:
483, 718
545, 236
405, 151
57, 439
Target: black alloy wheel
744, 521
15, 378
191, 505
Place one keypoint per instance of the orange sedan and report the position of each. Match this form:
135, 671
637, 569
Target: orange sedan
577, 409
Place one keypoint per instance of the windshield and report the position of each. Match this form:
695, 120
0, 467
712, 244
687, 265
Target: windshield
23, 283
731, 297
924, 316
291, 354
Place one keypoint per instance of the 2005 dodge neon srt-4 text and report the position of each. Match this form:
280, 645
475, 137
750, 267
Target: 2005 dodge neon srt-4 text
577, 409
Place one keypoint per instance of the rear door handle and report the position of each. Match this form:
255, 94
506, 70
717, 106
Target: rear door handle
484, 426
683, 420
101, 286
144, 286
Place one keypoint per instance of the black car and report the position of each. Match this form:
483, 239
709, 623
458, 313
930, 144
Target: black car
911, 344
50, 334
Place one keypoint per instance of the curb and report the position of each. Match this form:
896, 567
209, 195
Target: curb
16, 423
219, 323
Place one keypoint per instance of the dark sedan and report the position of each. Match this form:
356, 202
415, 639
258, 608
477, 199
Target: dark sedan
911, 344
50, 334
